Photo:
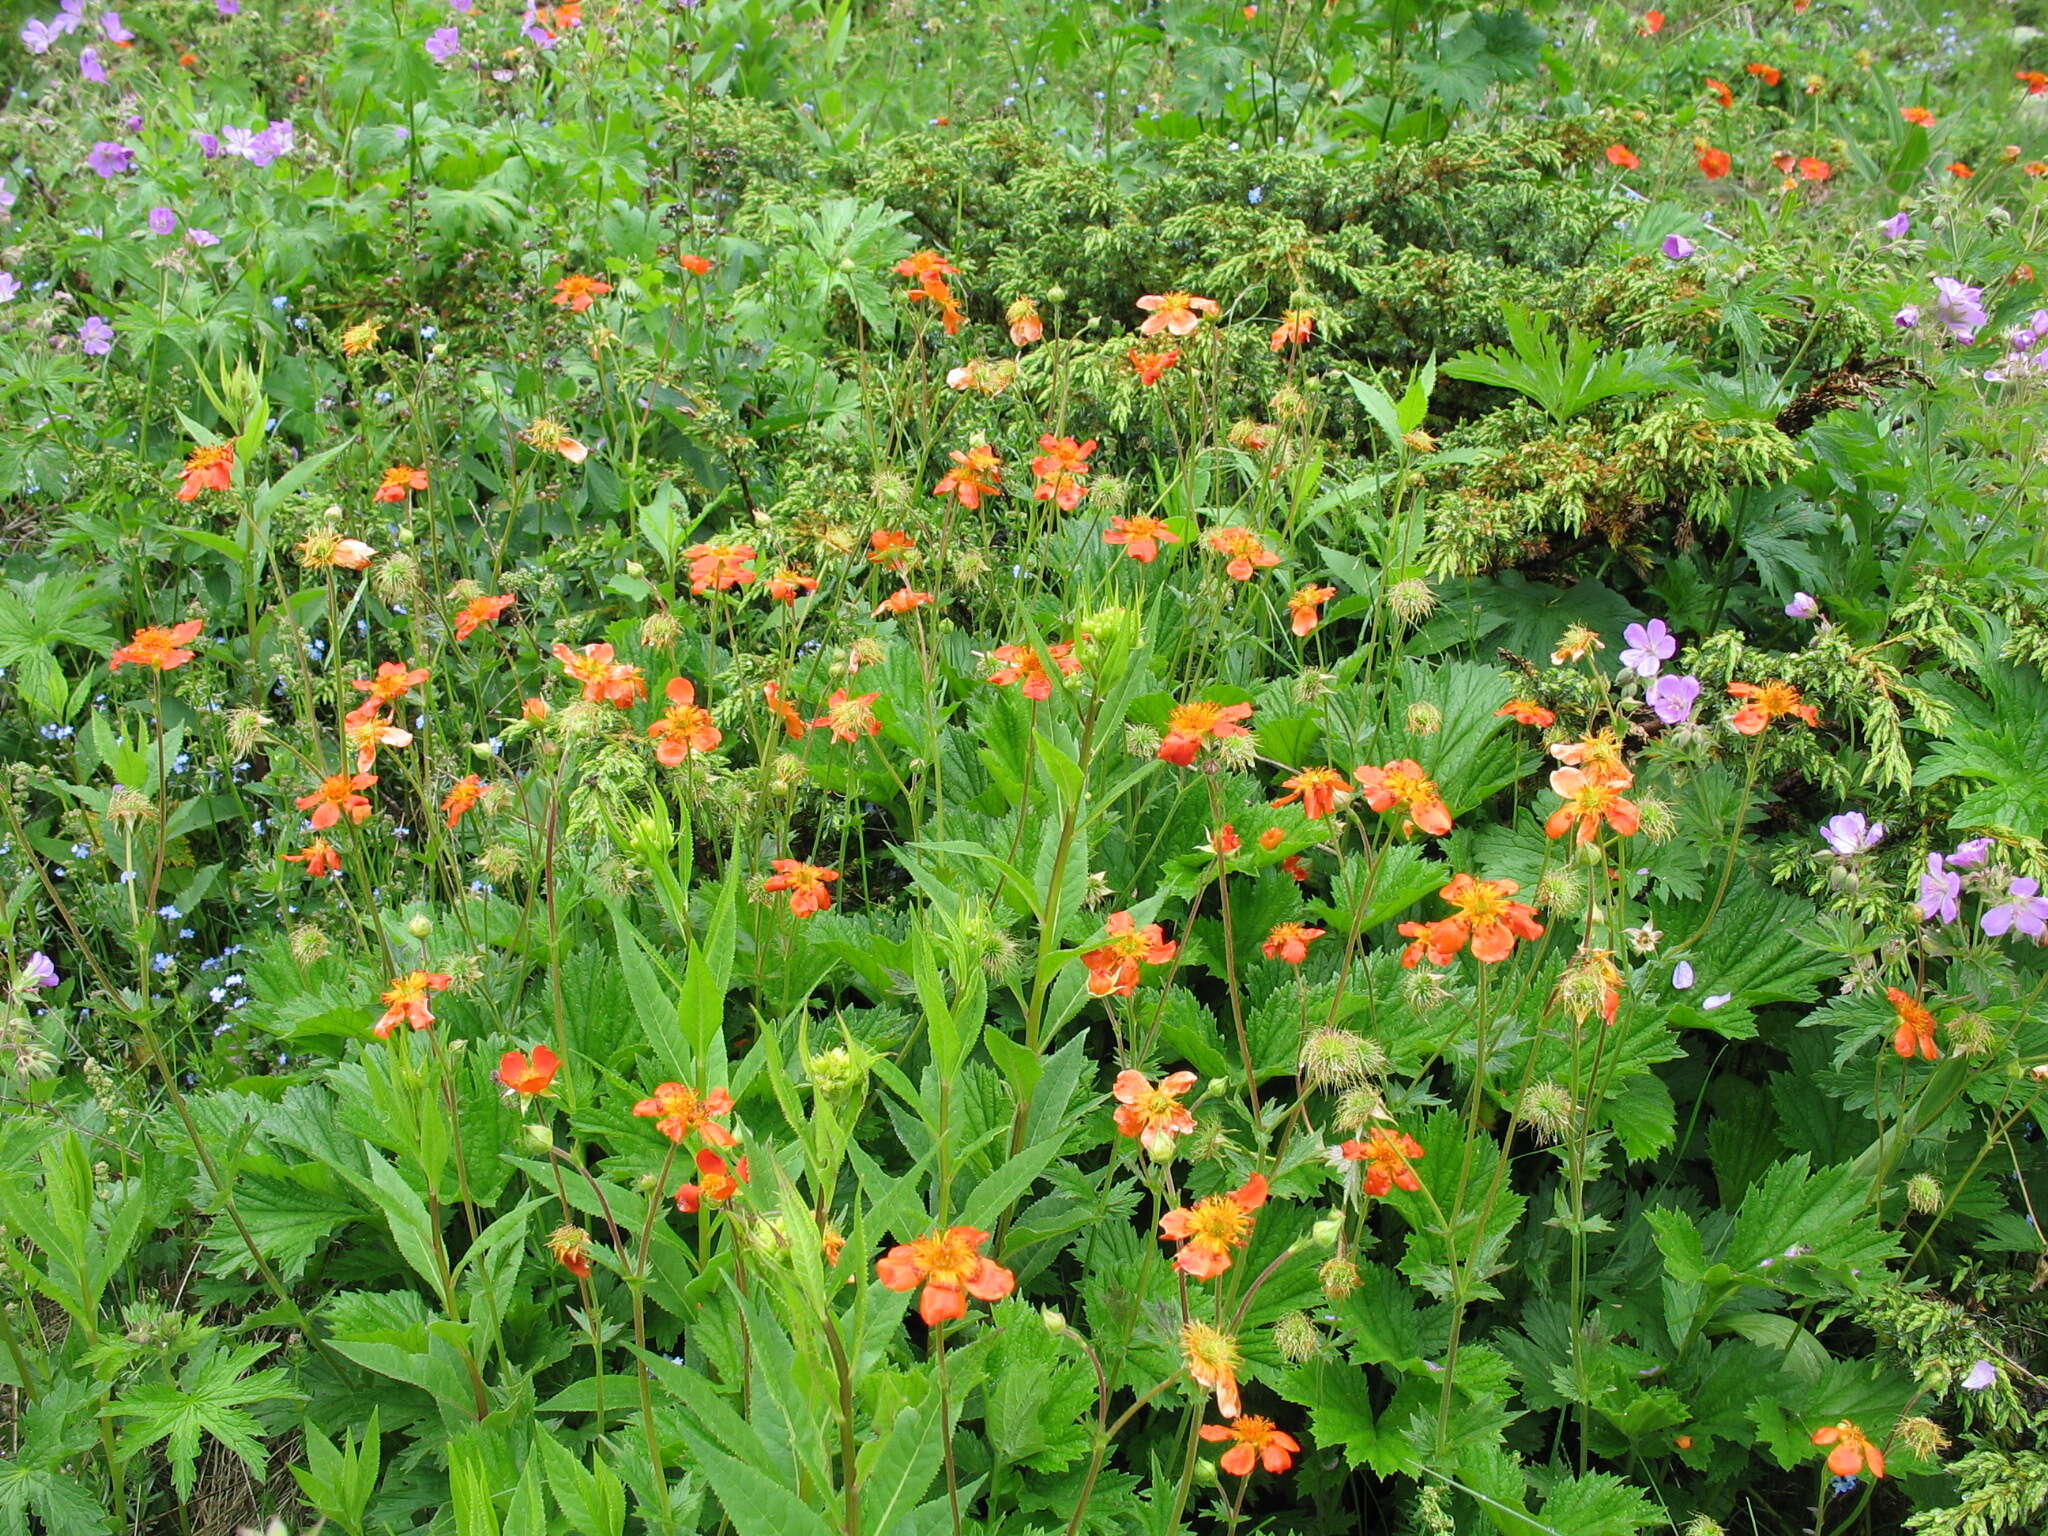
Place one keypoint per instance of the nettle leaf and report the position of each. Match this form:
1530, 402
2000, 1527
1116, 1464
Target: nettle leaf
1868, 1396
1038, 1394
1750, 951
1794, 1222
1598, 1504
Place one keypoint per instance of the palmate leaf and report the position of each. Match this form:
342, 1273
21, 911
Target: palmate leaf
208, 1402
54, 1497
1999, 745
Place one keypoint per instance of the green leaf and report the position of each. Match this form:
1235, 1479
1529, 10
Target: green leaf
207, 1402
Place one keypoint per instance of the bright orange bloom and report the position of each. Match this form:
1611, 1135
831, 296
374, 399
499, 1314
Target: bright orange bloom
571, 1249
319, 858
211, 468
849, 718
1209, 1229
1296, 867
1916, 1026
1140, 536
1113, 968
604, 680
1714, 163
1022, 664
557, 19
528, 1076
1320, 791
350, 555
1387, 1155
360, 337
1589, 799
805, 883
397, 481
792, 723
365, 729
902, 601
1486, 919
1304, 608
1527, 712
719, 567
1763, 72
1437, 941
786, 585
678, 1112
405, 1002
338, 795
1919, 117
2035, 82
547, 435
1290, 942
1294, 330
1960, 170
155, 647
1061, 469
1177, 314
923, 267
1622, 156
951, 1268
1258, 1444
1225, 841
462, 797
975, 474
1403, 783
1811, 169
890, 548
479, 611
1150, 365
1721, 92
533, 711
575, 292
1189, 725
1768, 701
1247, 552
1025, 324
696, 266
719, 1182
684, 727
1212, 1359
1853, 1452
1154, 1115
1652, 23
394, 680
1272, 838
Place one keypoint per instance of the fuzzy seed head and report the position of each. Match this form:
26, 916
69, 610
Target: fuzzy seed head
1296, 1338
1338, 1278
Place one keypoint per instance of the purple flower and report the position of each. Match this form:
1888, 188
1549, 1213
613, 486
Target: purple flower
111, 28
1850, 834
209, 144
462, 7
1983, 1375
1907, 318
1895, 227
162, 221
1941, 892
202, 237
6, 199
39, 971
89, 66
1804, 605
1718, 1000
1678, 248
1649, 647
10, 285
37, 36
96, 337
443, 43
132, 123
228, 7
1957, 310
1681, 976
108, 159
1673, 697
2025, 909
1974, 854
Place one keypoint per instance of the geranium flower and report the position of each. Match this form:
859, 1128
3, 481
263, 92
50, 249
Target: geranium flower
1915, 1031
806, 884
1258, 1443
2024, 909
1177, 314
1140, 536
1247, 553
848, 718
679, 1112
1025, 324
1154, 1115
1941, 890
319, 858
1113, 967
604, 680
528, 1076
717, 1181
1304, 609
393, 681
339, 795
208, 468
398, 480
1022, 664
1061, 469
1677, 248
1486, 919
951, 1267
1290, 942
570, 1247
1150, 365
1403, 783
975, 474
1622, 156
1294, 330
719, 567
405, 1002
1320, 791
1649, 647
479, 611
1958, 308
1853, 1451
1672, 697
684, 727
1212, 1359
1851, 833
157, 647
1589, 799
1767, 702
1527, 712
1189, 725
576, 292
1209, 1229
1972, 853
793, 725
1387, 1155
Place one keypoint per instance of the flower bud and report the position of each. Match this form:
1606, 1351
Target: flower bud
1923, 1194
1054, 1320
419, 925
540, 1136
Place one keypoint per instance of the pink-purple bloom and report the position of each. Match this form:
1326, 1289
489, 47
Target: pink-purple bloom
1983, 1376
1672, 697
443, 43
39, 971
1907, 318
2024, 909
1649, 647
1973, 853
89, 66
162, 221
202, 238
1895, 227
1681, 976
96, 336
1958, 308
1678, 248
1851, 833
109, 158
10, 285
2026, 352
1941, 892
112, 30
1804, 605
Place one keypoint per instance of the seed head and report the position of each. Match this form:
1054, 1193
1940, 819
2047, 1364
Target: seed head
1338, 1278
1296, 1338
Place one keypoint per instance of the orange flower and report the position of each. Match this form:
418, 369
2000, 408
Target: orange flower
951, 1268
902, 601
1189, 725
1652, 23
1294, 330
1247, 552
1025, 324
1916, 1026
2035, 82
925, 267
719, 1182
393, 681
338, 795
719, 567
1527, 712
1258, 1444
849, 719
324, 550
1212, 1360
1113, 968
786, 585
557, 19
792, 723
1853, 1450
405, 1002
1177, 314
575, 292
1320, 791
319, 858
571, 1249
604, 680
1140, 536
1272, 838
399, 479
1621, 155
1387, 1155
1062, 470
547, 435
155, 647
890, 548
1224, 841
1919, 117
975, 474
1297, 869
1811, 169
1763, 72
360, 337
1403, 783
1589, 799
1154, 1115
365, 729
528, 1076
1438, 941
479, 611
678, 1112
1959, 170
462, 797
1150, 365
1209, 1229
1304, 608
1768, 701
210, 468
696, 266
1021, 664
1290, 942
684, 727
1714, 163
805, 883
1721, 92
1485, 918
